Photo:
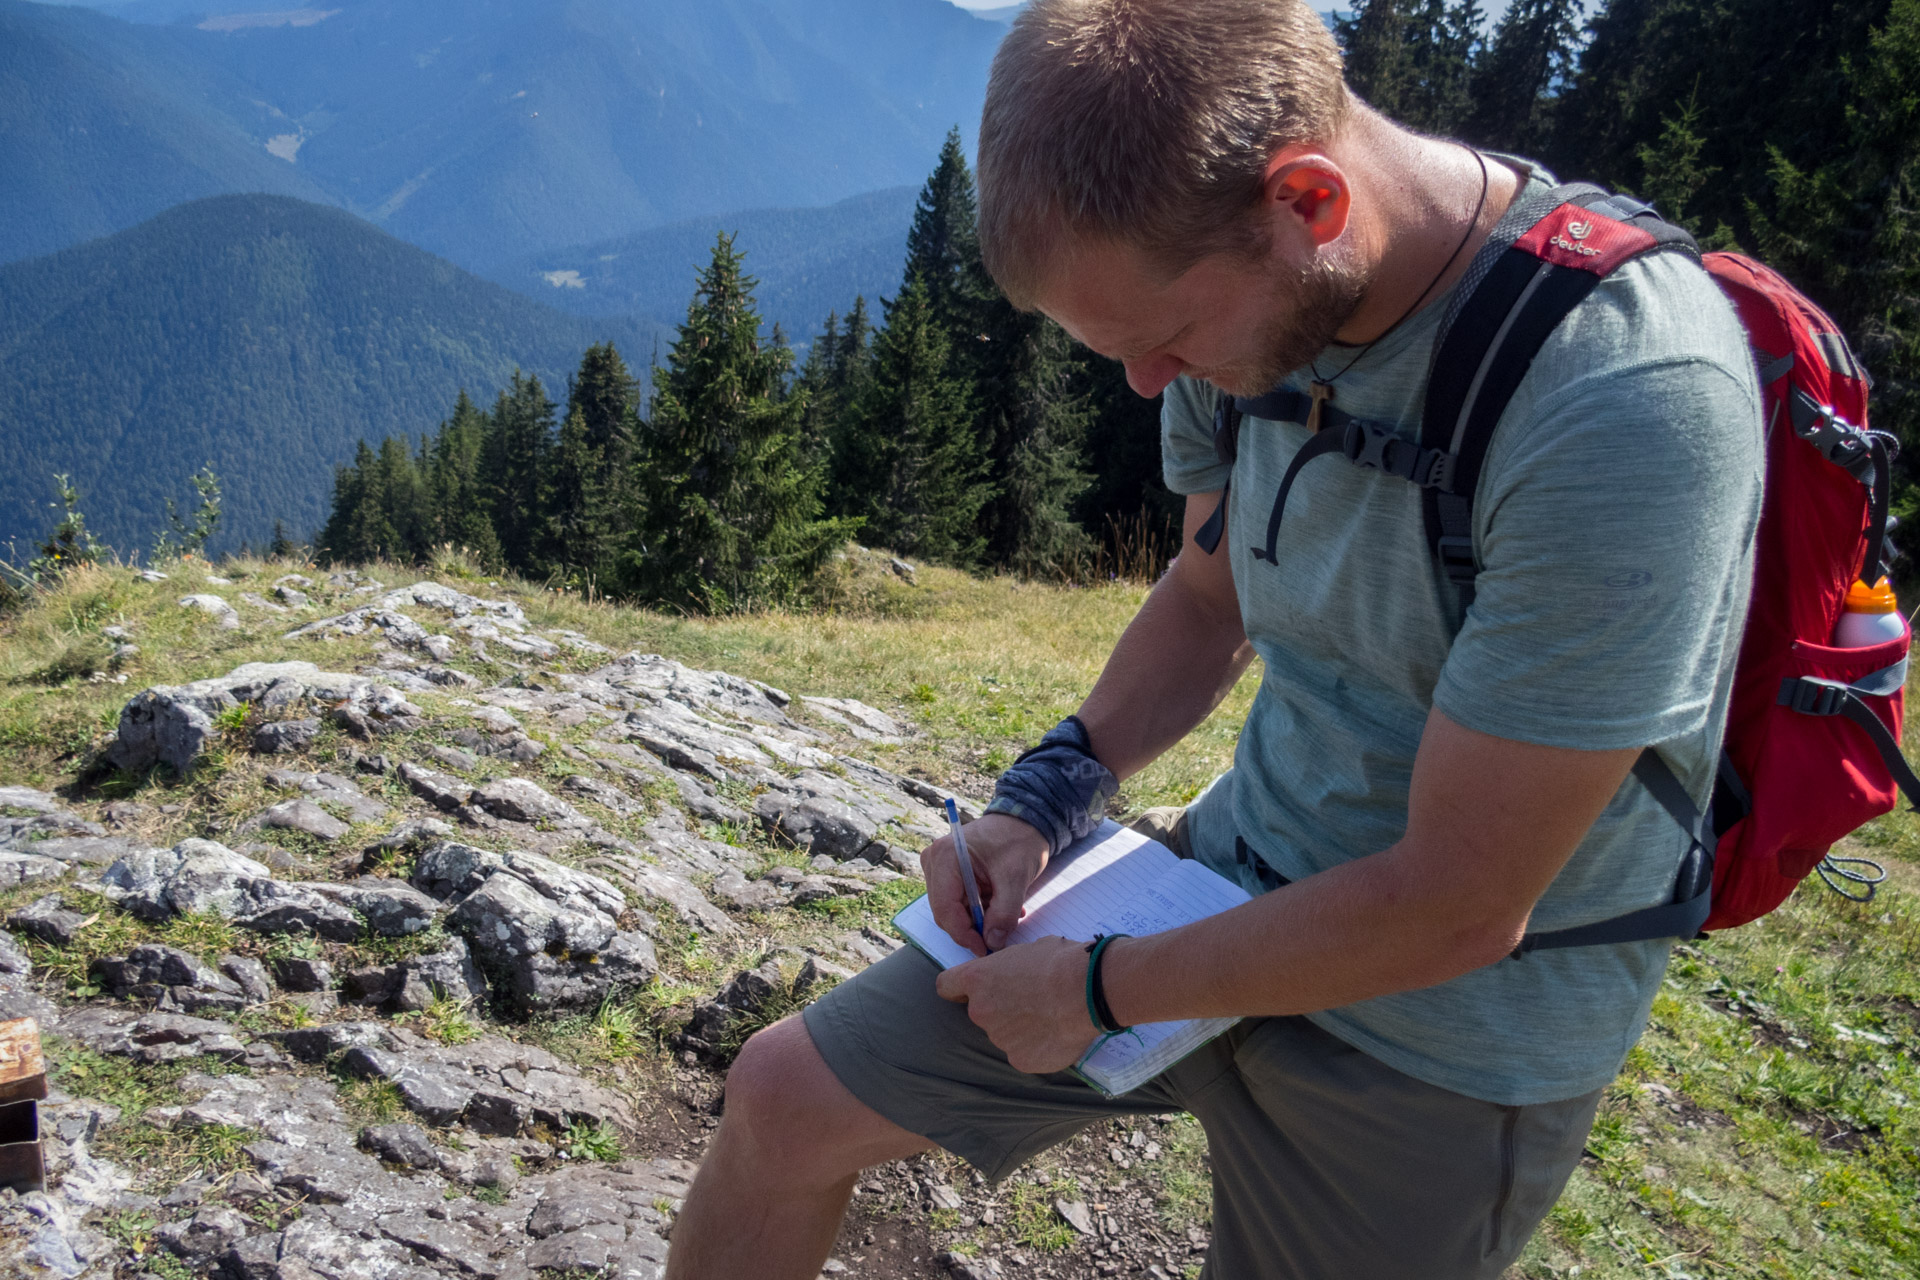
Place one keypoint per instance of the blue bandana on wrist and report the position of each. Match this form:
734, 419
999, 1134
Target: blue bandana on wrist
1058, 788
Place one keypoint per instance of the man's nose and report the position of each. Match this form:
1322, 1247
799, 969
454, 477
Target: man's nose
1149, 376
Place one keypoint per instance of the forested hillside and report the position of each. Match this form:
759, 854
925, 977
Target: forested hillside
488, 130
808, 261
103, 125
257, 333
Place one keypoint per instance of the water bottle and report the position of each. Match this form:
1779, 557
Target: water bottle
1872, 617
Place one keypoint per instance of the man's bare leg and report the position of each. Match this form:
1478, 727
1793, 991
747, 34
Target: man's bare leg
770, 1194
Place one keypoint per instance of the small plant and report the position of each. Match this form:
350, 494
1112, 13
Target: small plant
619, 1029
373, 1101
234, 718
206, 934
446, 1020
1034, 1221
488, 1193
583, 1141
188, 535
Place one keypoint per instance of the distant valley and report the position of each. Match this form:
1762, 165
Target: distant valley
484, 130
808, 262
262, 334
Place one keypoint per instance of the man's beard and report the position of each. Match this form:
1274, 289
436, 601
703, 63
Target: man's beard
1312, 306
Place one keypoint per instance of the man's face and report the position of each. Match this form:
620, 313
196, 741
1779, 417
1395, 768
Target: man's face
1237, 323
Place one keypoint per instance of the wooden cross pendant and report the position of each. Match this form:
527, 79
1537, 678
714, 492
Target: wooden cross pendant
1322, 392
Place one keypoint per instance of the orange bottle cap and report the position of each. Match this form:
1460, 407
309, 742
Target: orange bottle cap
1877, 598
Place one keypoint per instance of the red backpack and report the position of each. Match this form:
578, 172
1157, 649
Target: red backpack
1812, 745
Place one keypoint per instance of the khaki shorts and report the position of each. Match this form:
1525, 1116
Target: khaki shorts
1327, 1164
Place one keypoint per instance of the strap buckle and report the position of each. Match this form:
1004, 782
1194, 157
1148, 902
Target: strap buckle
1377, 448
1811, 696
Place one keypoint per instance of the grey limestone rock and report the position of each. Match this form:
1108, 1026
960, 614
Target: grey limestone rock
745, 994
302, 815
412, 985
29, 799
173, 724
283, 736
402, 1144
518, 800
440, 790
605, 795
299, 974
207, 1234
452, 869
250, 976
169, 1037
14, 961
453, 758
818, 823
49, 920
319, 1044
26, 868
218, 609
152, 965
391, 909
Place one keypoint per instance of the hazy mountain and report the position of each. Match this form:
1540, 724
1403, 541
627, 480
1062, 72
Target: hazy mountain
488, 130
103, 125
808, 262
262, 334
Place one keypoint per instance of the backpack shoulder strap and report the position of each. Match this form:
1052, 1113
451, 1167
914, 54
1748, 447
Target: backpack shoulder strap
1499, 328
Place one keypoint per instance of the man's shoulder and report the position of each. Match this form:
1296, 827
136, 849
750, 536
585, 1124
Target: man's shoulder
1661, 309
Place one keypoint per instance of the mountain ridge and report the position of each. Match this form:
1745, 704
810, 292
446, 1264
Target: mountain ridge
263, 334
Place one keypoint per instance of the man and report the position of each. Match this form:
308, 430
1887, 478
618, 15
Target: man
1186, 186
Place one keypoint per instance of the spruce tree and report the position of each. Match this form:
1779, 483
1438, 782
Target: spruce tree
590, 501
357, 528
1529, 61
1379, 64
282, 547
943, 246
909, 461
730, 513
515, 468
458, 492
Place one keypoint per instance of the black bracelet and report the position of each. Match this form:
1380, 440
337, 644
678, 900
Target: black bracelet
1097, 1007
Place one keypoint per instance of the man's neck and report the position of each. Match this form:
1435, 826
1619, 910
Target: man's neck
1415, 199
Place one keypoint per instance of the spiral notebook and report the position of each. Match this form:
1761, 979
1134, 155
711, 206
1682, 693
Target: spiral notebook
1114, 881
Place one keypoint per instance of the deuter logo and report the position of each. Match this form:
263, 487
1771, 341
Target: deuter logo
1579, 231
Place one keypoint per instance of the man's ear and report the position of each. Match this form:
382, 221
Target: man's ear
1305, 188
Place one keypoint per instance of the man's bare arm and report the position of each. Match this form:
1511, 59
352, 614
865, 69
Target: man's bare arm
1174, 663
1490, 823
1177, 659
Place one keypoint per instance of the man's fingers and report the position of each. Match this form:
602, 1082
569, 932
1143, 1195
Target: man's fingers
952, 984
1003, 913
947, 896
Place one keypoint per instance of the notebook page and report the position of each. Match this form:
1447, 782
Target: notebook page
1186, 893
1101, 871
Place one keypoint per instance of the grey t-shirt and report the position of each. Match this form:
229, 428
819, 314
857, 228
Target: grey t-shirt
1614, 525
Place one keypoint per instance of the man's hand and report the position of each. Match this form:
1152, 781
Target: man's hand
1031, 1000
1008, 855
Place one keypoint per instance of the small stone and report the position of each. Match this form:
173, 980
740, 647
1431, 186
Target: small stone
303, 815
402, 1144
251, 977
1076, 1214
298, 974
942, 1196
49, 920
284, 736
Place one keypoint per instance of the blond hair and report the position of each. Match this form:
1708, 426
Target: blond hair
1149, 122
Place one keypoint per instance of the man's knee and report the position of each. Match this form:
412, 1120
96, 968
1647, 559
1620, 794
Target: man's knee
784, 1101
767, 1084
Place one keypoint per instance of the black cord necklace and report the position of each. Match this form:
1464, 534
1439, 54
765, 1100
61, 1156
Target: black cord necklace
1322, 388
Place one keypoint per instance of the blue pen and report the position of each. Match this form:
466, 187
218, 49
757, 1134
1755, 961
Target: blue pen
966, 872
